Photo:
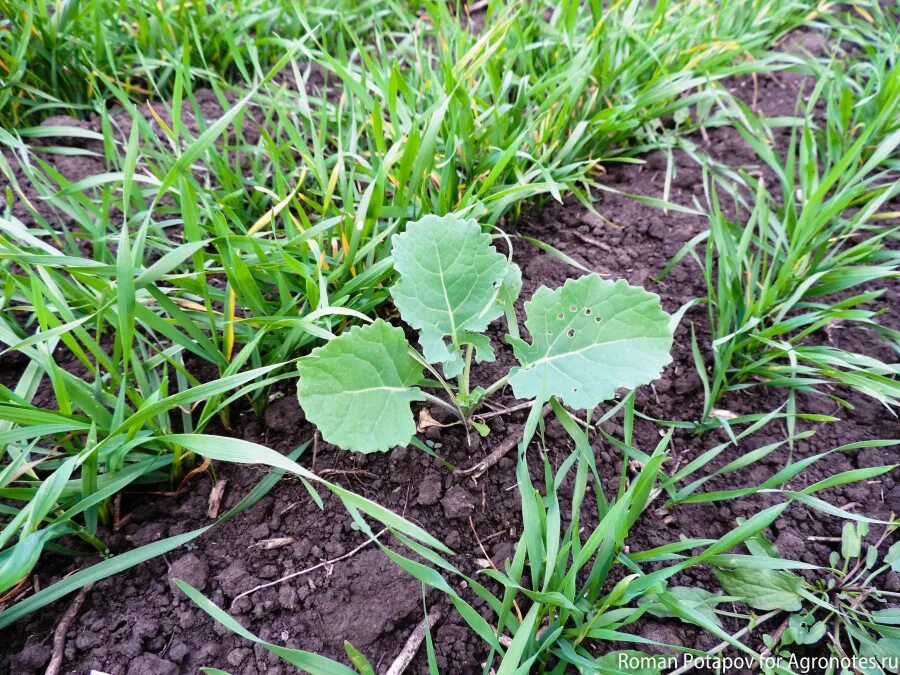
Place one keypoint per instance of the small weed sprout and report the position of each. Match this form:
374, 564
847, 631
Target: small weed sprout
841, 607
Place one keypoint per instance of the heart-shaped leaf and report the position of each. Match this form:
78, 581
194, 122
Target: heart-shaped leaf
590, 337
357, 388
450, 278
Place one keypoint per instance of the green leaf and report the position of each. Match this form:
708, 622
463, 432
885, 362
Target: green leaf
516, 650
887, 650
888, 617
589, 338
631, 662
509, 293
851, 542
815, 633
360, 662
763, 589
892, 557
698, 599
450, 277
510, 287
357, 388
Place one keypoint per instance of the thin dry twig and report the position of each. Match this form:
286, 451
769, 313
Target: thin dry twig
591, 241
413, 642
776, 636
14, 591
59, 636
324, 563
315, 450
499, 452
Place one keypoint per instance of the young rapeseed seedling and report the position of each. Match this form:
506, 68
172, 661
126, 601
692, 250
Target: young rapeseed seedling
590, 337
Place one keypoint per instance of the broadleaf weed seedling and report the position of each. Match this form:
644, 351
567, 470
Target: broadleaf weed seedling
841, 609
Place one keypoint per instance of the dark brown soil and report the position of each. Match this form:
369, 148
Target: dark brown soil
136, 623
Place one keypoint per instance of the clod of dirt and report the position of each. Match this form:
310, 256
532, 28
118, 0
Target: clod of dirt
237, 656
663, 634
178, 651
379, 596
235, 579
287, 597
892, 582
191, 569
430, 490
790, 545
32, 658
457, 503
260, 532
284, 414
151, 664
147, 534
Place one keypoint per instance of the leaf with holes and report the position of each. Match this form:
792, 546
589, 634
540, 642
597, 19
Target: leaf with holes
589, 338
357, 388
450, 278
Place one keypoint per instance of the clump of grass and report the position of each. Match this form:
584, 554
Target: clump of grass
58, 57
223, 253
571, 588
795, 267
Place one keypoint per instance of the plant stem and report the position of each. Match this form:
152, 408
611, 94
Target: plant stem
495, 387
464, 378
431, 398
